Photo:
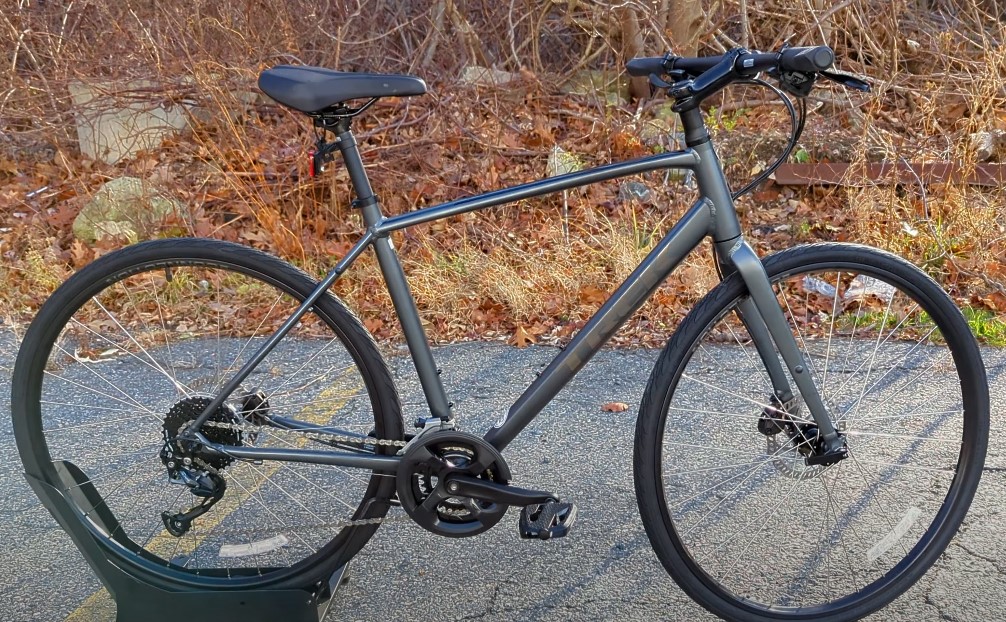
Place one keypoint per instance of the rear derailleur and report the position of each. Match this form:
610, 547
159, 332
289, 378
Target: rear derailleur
209, 485
191, 465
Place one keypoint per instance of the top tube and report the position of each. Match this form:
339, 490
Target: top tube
686, 159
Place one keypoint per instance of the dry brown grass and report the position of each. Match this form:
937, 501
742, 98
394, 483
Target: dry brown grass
937, 68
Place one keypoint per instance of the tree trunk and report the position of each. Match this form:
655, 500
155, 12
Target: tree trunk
687, 21
468, 34
633, 46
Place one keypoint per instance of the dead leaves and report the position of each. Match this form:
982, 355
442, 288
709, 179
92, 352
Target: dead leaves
527, 335
521, 338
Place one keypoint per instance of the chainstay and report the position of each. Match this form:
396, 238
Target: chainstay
318, 436
324, 437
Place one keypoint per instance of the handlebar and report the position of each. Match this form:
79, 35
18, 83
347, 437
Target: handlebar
797, 68
807, 59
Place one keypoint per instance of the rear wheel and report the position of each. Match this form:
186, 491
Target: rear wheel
133, 347
733, 510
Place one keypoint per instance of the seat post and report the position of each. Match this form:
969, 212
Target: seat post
365, 199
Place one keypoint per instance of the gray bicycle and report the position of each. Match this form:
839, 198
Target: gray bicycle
809, 440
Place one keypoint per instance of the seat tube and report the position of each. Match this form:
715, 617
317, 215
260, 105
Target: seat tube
394, 277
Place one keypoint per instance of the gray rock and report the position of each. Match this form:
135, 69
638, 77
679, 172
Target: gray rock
610, 86
561, 162
987, 146
116, 120
487, 76
635, 191
654, 131
126, 207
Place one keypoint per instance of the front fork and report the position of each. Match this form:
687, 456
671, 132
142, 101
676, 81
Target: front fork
765, 322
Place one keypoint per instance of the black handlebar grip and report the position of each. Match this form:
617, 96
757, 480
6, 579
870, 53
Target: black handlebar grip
812, 59
645, 66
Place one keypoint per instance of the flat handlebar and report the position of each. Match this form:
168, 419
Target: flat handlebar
808, 59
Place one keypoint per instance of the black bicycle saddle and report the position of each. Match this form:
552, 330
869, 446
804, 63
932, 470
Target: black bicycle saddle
313, 89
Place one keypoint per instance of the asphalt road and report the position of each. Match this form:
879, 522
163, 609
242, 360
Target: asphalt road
604, 570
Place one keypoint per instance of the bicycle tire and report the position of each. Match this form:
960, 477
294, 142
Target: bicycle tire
737, 517
168, 319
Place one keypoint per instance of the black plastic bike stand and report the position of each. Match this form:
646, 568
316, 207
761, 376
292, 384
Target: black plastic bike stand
137, 600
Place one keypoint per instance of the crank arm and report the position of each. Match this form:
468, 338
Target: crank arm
465, 486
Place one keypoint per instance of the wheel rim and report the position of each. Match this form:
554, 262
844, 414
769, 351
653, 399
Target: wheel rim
758, 526
156, 335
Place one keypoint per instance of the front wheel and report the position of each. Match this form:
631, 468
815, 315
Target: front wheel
733, 510
134, 346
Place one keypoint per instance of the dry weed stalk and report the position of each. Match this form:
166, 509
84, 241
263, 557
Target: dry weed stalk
936, 65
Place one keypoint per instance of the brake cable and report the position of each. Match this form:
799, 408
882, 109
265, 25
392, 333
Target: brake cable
797, 123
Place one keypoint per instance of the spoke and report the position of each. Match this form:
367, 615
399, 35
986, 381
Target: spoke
104, 498
106, 474
269, 478
750, 473
728, 415
330, 391
181, 388
936, 439
935, 413
872, 494
834, 512
757, 403
336, 399
353, 473
724, 467
752, 537
807, 359
714, 448
94, 423
164, 327
854, 372
234, 363
130, 402
908, 383
129, 335
947, 470
157, 527
831, 329
293, 375
746, 352
250, 494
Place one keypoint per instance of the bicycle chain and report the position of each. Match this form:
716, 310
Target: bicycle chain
318, 436
321, 436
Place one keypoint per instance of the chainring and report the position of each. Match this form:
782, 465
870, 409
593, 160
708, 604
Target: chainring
424, 468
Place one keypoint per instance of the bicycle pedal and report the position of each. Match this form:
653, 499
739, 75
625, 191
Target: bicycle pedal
544, 521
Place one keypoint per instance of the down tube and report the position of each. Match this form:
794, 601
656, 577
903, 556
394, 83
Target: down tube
679, 241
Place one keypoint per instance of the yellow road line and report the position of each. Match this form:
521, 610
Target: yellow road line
99, 607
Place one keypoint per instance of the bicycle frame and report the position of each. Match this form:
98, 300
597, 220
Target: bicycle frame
712, 214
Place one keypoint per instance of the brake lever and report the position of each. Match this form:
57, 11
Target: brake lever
676, 75
847, 80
